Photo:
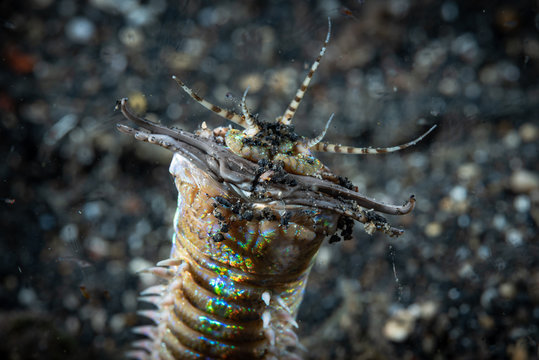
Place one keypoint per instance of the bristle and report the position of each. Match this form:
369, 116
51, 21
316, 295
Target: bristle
294, 323
266, 318
270, 336
154, 300
137, 355
146, 330
285, 316
143, 344
266, 297
170, 262
167, 299
291, 336
154, 290
160, 272
150, 314
281, 302
175, 283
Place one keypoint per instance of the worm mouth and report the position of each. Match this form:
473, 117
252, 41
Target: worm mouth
263, 183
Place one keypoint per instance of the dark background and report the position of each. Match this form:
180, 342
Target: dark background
84, 207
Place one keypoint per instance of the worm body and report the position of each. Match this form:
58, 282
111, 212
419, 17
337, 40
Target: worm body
242, 290
254, 206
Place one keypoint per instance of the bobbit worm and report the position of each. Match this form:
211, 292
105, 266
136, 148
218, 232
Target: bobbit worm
254, 207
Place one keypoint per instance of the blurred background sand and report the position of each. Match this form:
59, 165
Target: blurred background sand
85, 207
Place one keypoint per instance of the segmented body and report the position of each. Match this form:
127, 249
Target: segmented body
254, 207
224, 282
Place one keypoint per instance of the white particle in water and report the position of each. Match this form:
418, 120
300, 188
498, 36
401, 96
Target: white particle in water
27, 296
499, 221
463, 221
483, 252
69, 233
453, 294
174, 111
487, 296
522, 203
80, 30
514, 237
458, 193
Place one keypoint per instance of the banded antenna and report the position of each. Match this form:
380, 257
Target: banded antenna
286, 119
334, 148
230, 115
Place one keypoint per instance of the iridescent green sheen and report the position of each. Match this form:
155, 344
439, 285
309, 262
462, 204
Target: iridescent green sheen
224, 281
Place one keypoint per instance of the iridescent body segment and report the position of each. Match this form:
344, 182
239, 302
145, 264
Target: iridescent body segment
254, 206
223, 282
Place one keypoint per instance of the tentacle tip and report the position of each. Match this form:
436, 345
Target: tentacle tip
177, 79
428, 132
396, 232
123, 128
330, 120
329, 30
122, 106
120, 103
410, 204
245, 92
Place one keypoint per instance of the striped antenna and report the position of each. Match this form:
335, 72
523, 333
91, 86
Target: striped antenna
252, 128
312, 142
325, 147
286, 119
232, 116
